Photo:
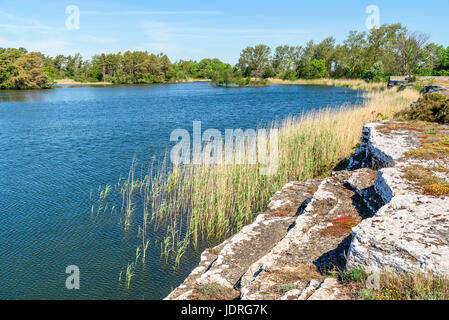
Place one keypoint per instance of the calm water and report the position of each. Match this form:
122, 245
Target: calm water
57, 145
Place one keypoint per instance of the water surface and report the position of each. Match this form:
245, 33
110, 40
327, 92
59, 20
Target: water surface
58, 145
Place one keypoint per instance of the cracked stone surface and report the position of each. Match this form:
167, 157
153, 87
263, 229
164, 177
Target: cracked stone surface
226, 263
329, 289
379, 150
411, 232
309, 247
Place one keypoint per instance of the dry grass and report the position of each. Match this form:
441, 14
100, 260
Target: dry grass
189, 80
214, 291
416, 286
73, 82
355, 84
432, 82
285, 280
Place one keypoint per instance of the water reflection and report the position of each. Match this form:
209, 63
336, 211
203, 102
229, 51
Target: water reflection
23, 95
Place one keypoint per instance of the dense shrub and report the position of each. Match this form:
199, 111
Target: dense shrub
355, 275
289, 75
432, 107
375, 73
22, 70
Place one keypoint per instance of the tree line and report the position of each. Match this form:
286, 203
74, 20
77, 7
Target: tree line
385, 51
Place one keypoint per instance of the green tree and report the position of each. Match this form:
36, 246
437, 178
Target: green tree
314, 69
408, 51
325, 51
443, 55
285, 59
355, 63
255, 61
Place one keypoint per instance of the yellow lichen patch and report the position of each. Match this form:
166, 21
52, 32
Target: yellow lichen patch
426, 179
431, 148
437, 189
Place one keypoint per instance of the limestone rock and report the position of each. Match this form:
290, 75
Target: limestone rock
226, 263
317, 242
411, 232
329, 289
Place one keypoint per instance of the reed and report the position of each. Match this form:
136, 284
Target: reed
144, 251
129, 274
138, 253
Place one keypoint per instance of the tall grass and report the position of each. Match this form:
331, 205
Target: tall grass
195, 202
410, 286
355, 84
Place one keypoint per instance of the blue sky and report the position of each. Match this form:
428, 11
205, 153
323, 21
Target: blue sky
198, 29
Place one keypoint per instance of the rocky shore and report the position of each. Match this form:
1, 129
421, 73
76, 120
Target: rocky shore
387, 211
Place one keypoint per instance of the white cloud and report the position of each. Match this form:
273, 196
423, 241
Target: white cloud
48, 47
15, 24
157, 31
176, 42
98, 39
158, 13
161, 31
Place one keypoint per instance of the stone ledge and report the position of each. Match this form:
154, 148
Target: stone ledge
411, 232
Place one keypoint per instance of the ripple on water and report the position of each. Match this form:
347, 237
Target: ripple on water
59, 144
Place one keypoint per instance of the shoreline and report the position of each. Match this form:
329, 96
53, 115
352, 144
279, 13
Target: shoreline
66, 82
342, 222
353, 84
